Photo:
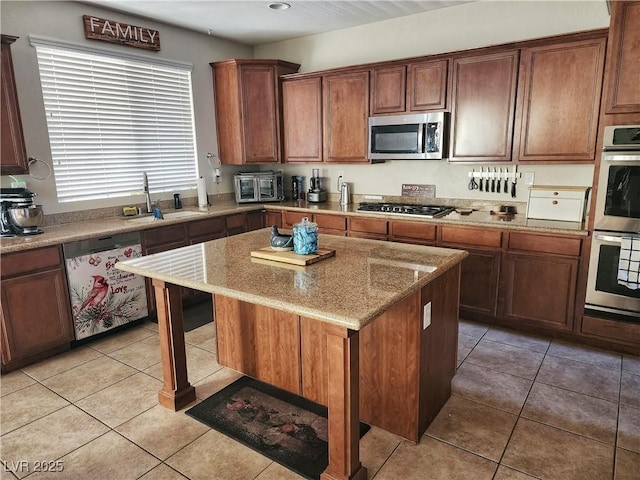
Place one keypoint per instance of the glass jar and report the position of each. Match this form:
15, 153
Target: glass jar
305, 237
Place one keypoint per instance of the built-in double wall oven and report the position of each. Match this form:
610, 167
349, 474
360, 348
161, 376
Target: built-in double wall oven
613, 288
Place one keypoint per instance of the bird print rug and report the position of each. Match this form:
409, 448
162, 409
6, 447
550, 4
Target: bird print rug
282, 426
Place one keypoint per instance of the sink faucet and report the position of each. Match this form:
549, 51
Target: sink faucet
145, 183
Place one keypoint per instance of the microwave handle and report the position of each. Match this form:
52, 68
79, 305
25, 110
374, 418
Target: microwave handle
422, 129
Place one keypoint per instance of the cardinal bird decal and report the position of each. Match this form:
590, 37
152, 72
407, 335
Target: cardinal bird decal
97, 294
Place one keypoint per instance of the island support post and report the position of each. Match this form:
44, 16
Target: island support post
176, 391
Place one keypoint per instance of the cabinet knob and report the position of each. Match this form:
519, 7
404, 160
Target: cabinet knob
555, 193
555, 202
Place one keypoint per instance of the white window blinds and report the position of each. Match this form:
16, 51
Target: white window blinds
111, 118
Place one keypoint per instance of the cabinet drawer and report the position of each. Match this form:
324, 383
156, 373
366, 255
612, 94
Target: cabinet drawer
31, 260
159, 236
289, 218
562, 209
334, 222
206, 227
368, 225
235, 221
412, 230
471, 236
545, 244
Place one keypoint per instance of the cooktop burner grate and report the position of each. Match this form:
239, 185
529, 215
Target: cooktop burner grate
426, 211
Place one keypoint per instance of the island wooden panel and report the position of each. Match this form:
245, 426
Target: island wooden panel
259, 341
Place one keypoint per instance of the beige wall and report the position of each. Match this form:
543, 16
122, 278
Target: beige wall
461, 27
63, 21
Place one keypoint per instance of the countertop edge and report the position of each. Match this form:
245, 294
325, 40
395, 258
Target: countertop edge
77, 231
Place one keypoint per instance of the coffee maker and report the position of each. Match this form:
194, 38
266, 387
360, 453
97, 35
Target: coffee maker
19, 216
316, 193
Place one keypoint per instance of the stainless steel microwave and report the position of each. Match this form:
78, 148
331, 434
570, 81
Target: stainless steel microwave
419, 136
264, 186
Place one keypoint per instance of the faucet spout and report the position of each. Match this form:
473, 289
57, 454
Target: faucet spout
145, 184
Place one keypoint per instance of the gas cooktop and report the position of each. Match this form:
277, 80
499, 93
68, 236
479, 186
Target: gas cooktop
411, 210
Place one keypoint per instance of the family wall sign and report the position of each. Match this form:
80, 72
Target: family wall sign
116, 32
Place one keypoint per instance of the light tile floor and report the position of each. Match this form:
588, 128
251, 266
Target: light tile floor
522, 407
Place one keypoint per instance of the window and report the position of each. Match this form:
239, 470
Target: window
112, 117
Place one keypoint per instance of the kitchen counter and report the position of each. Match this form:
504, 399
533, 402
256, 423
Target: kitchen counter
74, 231
478, 218
321, 331
350, 289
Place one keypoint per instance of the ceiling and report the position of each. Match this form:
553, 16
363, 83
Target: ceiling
252, 22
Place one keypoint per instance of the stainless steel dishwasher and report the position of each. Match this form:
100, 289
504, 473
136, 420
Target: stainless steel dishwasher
103, 297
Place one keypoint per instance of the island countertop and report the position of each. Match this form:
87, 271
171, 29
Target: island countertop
350, 289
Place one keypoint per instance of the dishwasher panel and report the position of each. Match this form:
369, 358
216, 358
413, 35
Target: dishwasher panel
103, 297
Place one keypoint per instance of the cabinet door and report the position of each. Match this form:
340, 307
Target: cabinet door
205, 230
272, 218
255, 220
418, 233
483, 106
372, 228
35, 315
540, 290
14, 155
346, 117
623, 61
558, 101
259, 114
388, 89
427, 85
302, 120
480, 271
236, 223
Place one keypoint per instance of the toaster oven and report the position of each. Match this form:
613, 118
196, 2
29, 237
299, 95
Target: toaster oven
264, 186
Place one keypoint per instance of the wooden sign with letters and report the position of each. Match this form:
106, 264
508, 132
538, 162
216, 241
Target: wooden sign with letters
115, 32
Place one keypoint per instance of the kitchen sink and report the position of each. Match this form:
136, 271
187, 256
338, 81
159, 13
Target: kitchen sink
167, 216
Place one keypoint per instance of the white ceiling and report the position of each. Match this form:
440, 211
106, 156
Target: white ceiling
252, 22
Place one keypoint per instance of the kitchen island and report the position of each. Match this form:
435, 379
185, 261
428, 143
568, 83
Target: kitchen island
370, 332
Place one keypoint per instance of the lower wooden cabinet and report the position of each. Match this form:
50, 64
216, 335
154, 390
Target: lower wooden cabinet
480, 275
35, 310
372, 228
272, 218
540, 280
419, 233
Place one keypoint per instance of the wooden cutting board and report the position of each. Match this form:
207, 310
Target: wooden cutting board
293, 258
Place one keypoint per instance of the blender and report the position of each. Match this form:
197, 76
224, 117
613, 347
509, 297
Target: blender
316, 193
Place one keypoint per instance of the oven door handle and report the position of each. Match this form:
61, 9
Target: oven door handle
609, 238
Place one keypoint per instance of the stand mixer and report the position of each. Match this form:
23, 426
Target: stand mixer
19, 216
316, 193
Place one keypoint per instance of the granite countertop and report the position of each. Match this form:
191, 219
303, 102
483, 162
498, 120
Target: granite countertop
478, 218
98, 227
350, 289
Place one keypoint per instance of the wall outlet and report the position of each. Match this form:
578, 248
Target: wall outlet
340, 179
426, 315
529, 177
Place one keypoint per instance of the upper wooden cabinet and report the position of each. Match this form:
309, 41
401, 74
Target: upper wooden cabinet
14, 155
302, 119
623, 60
559, 95
427, 85
247, 98
416, 87
346, 117
388, 89
483, 106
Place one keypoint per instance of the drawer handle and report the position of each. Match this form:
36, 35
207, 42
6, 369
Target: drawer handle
555, 202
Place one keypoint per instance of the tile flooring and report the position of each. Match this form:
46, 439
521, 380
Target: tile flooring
522, 407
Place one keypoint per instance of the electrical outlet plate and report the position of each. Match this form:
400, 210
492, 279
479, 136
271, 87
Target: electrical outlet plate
529, 178
426, 315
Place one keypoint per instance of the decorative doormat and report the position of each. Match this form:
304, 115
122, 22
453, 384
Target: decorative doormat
282, 426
